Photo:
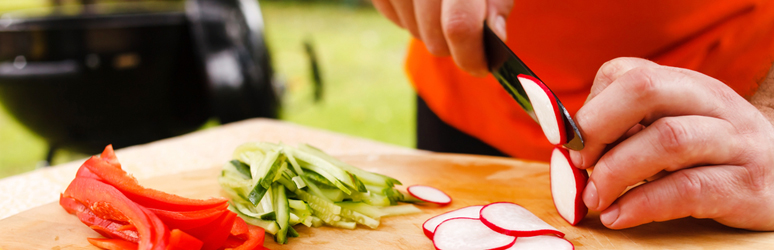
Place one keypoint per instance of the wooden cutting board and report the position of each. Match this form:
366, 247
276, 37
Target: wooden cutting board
470, 180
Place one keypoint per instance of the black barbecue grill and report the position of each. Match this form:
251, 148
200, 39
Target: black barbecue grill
133, 72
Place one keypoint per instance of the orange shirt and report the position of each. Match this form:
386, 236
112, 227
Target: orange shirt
565, 43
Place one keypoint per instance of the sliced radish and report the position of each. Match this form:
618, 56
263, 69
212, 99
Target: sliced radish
466, 212
542, 242
429, 194
546, 109
512, 219
467, 233
567, 184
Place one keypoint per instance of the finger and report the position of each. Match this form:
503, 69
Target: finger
607, 73
642, 95
428, 16
670, 144
699, 192
497, 13
385, 7
405, 12
612, 70
462, 22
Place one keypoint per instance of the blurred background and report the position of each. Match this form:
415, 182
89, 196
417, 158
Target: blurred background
359, 57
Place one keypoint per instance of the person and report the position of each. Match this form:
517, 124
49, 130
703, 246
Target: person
674, 92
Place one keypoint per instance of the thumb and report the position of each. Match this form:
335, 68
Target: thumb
497, 13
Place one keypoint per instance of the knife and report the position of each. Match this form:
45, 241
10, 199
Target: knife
506, 66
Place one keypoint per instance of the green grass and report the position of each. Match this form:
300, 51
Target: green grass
361, 57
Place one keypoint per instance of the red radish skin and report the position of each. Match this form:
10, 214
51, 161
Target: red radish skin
546, 108
514, 220
542, 242
467, 233
567, 184
429, 194
429, 226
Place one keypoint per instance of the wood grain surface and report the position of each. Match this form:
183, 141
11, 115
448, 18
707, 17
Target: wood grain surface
470, 180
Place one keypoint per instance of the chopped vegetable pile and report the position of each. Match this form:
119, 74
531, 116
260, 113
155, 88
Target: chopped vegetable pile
112, 203
275, 186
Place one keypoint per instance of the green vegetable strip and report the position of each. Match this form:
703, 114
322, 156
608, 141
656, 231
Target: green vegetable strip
359, 218
242, 168
335, 175
292, 159
365, 176
367, 210
282, 211
325, 210
399, 210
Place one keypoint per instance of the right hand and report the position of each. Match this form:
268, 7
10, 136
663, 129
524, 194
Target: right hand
451, 27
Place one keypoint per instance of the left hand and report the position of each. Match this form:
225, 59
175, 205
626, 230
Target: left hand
711, 148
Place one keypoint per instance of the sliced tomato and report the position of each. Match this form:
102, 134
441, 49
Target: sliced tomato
107, 168
113, 244
153, 234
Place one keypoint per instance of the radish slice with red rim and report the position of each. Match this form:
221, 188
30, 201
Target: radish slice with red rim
468, 233
546, 109
512, 219
567, 184
429, 194
466, 212
542, 242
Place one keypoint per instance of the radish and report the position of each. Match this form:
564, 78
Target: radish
542, 242
466, 212
429, 194
468, 233
567, 184
512, 219
546, 108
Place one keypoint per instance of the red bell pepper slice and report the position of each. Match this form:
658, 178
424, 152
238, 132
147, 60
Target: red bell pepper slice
215, 233
153, 234
189, 219
107, 168
113, 244
179, 240
255, 239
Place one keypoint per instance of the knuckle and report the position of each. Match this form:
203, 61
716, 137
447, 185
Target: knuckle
641, 83
458, 26
689, 185
672, 136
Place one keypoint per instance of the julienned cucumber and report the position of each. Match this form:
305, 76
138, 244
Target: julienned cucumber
276, 187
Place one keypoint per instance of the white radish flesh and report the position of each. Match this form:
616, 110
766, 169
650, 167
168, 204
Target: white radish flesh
466, 212
546, 109
542, 242
429, 194
567, 184
467, 233
512, 219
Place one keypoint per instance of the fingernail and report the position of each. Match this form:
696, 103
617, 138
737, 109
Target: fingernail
577, 159
590, 196
609, 216
499, 27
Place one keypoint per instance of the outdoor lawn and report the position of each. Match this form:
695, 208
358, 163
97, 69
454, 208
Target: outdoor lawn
361, 57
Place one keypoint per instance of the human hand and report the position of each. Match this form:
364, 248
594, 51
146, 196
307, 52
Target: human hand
712, 149
450, 27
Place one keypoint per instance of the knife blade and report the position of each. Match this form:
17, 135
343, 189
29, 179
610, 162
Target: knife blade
506, 66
